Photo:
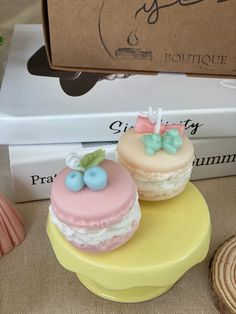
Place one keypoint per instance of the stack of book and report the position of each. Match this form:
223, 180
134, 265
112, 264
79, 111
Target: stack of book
42, 124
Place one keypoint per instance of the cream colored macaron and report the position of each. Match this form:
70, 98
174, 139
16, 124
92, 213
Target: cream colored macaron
159, 176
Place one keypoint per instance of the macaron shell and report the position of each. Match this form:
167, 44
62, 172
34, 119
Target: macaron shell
88, 208
132, 151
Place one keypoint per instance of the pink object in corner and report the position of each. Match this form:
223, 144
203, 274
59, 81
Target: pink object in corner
12, 231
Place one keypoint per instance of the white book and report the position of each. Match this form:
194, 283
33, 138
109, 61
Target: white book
34, 109
34, 167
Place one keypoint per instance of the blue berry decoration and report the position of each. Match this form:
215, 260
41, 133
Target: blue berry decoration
74, 181
95, 178
86, 171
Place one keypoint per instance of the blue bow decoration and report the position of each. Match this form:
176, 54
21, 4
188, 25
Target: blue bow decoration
170, 142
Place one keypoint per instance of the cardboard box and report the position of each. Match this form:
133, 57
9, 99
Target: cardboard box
34, 167
35, 110
189, 36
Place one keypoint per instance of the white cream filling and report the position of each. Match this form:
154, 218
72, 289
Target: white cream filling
163, 185
96, 236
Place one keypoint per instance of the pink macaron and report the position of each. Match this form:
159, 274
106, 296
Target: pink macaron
97, 220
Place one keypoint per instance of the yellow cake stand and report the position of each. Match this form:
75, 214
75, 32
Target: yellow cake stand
174, 235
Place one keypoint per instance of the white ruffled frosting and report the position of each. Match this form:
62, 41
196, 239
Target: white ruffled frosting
96, 236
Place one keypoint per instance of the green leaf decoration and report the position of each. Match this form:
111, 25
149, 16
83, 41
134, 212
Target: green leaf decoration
92, 159
1, 40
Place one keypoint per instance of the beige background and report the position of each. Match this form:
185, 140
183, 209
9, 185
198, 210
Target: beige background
31, 279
